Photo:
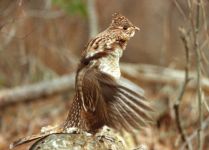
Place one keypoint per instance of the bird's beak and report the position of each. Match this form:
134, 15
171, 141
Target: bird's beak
136, 28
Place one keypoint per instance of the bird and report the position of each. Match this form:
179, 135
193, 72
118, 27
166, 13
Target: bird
100, 96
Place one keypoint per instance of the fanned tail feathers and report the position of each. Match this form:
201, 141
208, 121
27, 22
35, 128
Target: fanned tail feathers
56, 129
27, 140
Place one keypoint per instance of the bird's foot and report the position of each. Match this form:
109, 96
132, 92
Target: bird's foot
73, 130
105, 137
104, 134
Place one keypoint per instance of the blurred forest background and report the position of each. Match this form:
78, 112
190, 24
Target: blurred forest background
42, 40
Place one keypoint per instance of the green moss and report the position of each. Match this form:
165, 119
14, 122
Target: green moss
72, 6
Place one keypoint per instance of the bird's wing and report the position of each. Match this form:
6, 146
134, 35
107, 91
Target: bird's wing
127, 109
89, 90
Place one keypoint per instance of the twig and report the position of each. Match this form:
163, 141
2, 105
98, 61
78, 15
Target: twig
178, 6
182, 91
198, 70
205, 125
205, 23
205, 103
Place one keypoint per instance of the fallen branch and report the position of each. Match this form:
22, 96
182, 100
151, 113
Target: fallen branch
139, 72
38, 90
161, 75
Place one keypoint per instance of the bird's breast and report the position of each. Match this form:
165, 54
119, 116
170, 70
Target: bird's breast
110, 64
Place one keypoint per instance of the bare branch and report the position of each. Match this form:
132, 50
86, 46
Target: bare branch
198, 70
205, 124
182, 90
178, 6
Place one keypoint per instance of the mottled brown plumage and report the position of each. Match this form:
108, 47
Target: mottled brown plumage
100, 98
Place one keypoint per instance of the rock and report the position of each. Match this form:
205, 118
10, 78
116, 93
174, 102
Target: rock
78, 141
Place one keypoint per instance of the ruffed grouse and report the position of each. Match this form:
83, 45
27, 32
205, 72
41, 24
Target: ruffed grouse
101, 98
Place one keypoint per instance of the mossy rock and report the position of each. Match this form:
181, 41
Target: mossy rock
78, 141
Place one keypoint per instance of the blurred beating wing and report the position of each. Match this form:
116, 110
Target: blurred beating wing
115, 100
90, 90
126, 108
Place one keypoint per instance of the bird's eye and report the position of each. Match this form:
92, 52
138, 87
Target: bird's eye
125, 27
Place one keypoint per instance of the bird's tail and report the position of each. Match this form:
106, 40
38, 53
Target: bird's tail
48, 131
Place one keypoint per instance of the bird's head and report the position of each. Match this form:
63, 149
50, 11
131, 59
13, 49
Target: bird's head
111, 42
122, 26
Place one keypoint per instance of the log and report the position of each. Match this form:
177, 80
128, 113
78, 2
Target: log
37, 90
74, 138
138, 72
161, 75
